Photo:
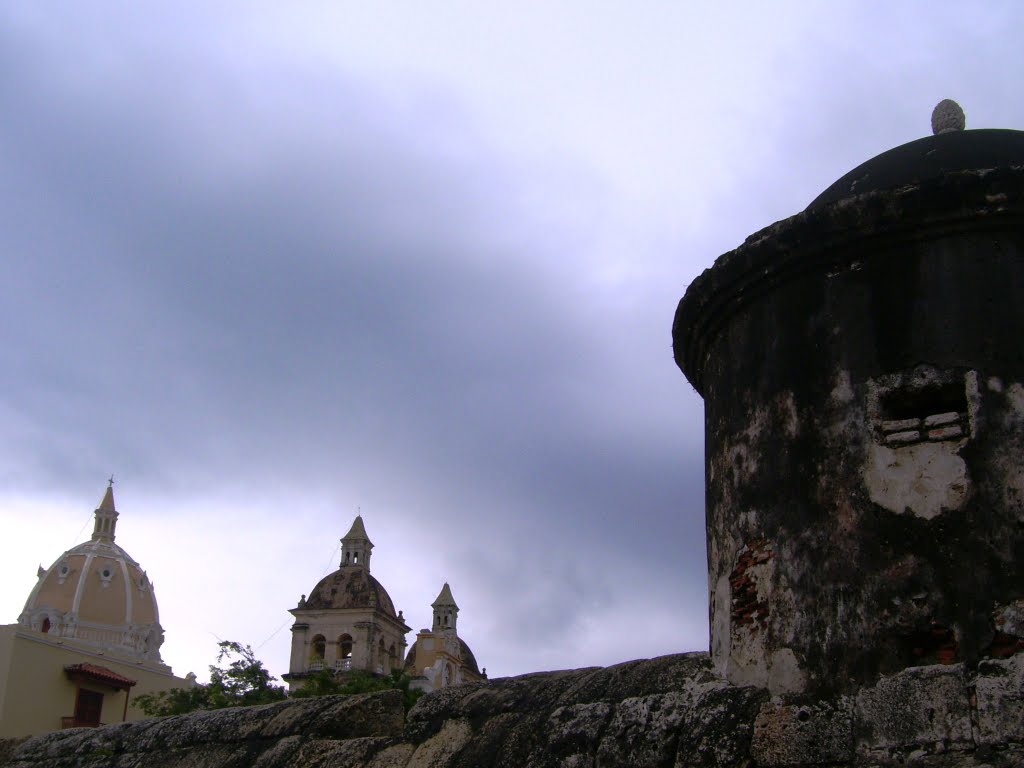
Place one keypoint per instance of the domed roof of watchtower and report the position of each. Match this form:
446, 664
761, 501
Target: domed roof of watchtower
954, 173
950, 148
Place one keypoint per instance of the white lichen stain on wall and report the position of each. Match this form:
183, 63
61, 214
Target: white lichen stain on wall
784, 673
737, 459
842, 391
842, 420
1009, 618
923, 479
1009, 464
972, 392
787, 414
1015, 398
742, 465
721, 629
747, 663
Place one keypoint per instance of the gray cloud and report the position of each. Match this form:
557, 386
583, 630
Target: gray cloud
238, 273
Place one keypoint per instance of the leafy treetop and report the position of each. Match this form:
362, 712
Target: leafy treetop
245, 682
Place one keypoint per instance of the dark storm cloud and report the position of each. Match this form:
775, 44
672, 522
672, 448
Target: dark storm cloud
223, 276
305, 264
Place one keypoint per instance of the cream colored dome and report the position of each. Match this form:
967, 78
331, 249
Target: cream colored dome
95, 594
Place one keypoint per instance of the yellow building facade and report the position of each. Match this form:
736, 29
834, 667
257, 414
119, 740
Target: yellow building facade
87, 642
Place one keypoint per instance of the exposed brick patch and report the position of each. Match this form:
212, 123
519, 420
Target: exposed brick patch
1004, 645
746, 608
937, 644
1008, 622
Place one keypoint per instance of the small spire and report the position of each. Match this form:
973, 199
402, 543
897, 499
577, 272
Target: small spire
356, 546
108, 498
947, 117
106, 515
445, 597
446, 612
358, 530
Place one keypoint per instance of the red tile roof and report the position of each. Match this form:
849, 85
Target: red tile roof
99, 674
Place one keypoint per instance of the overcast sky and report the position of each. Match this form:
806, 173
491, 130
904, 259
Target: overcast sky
271, 265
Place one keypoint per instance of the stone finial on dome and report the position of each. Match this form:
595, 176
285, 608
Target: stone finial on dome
948, 116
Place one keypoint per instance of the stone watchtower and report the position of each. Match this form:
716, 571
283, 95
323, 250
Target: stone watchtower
862, 368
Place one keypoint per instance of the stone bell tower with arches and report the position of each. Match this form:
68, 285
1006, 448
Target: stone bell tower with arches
348, 622
439, 657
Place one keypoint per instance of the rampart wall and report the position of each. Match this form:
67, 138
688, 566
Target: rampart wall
673, 711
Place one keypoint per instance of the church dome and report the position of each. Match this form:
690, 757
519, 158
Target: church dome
96, 594
350, 587
465, 656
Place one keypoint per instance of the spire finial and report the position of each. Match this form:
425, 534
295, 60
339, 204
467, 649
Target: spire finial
948, 116
110, 482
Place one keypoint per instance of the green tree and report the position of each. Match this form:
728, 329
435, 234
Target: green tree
326, 682
245, 681
176, 701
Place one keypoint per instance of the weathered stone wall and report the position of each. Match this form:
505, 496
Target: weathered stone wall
671, 712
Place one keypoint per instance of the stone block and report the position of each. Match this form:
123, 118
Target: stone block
643, 731
717, 731
367, 714
900, 425
576, 729
293, 719
903, 437
941, 419
945, 433
439, 749
926, 708
395, 756
1000, 695
327, 753
804, 734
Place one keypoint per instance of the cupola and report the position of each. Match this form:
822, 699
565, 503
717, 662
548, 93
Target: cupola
356, 546
446, 612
